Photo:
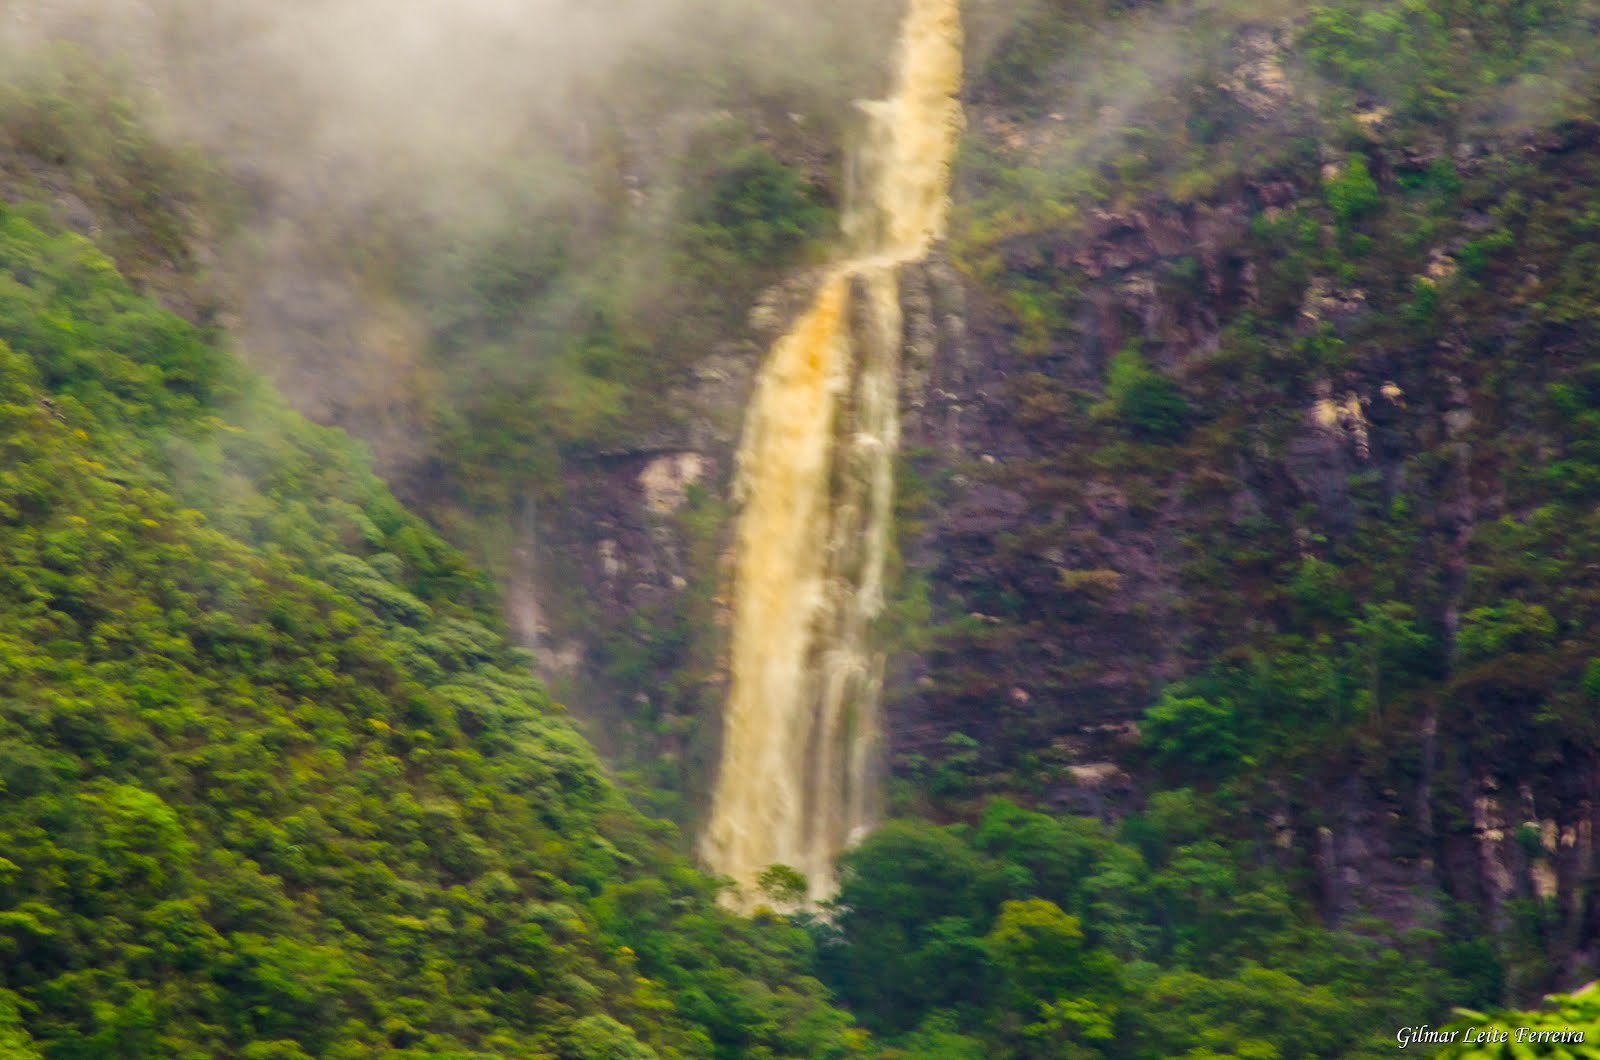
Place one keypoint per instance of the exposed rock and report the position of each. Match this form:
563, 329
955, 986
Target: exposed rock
1323, 301
565, 660
1258, 81
610, 561
1097, 774
665, 481
1346, 419
986, 509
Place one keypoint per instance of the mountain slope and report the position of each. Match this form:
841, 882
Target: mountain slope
1248, 514
1264, 463
275, 785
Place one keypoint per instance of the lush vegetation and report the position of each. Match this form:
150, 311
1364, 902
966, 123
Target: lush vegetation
276, 787
1547, 1031
274, 784
1308, 495
1298, 317
1026, 934
576, 323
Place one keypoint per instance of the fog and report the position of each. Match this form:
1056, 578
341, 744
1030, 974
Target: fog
355, 127
361, 132
417, 94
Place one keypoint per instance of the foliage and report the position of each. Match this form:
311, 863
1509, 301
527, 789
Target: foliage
1510, 626
1352, 194
1146, 402
1352, 545
782, 883
69, 114
275, 784
1045, 935
1194, 731
1546, 1031
756, 212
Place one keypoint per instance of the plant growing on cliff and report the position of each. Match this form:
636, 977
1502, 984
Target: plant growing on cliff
1352, 194
755, 213
1141, 399
1193, 733
1506, 627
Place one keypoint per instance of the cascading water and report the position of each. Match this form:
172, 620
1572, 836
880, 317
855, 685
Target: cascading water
801, 731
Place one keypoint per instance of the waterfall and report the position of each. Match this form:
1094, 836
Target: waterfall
802, 731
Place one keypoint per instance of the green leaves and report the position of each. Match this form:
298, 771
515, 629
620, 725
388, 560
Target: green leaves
1068, 941
272, 782
1194, 732
603, 1038
63, 304
1566, 1027
755, 214
783, 884
1039, 949
1352, 194
1510, 626
15, 1041
1148, 403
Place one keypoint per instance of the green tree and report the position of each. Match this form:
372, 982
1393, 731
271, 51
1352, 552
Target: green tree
1194, 733
1352, 194
1043, 958
782, 883
914, 902
1393, 653
1509, 626
1148, 403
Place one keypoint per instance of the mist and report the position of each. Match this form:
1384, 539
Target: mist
372, 147
421, 93
358, 133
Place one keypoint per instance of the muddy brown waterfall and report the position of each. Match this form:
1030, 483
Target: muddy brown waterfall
801, 735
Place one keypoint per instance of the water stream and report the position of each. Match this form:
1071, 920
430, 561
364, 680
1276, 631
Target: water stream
798, 780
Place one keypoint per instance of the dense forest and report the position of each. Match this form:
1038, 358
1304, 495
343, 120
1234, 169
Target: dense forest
1243, 675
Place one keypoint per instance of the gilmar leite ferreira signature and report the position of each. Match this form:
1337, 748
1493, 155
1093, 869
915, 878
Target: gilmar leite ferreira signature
1485, 1036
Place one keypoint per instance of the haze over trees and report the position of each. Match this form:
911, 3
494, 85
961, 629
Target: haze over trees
1243, 667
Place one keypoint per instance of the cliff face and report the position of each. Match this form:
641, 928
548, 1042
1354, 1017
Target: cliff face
1250, 431
1290, 418
1357, 518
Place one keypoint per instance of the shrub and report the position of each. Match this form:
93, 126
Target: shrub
1507, 627
1353, 194
1193, 732
1147, 403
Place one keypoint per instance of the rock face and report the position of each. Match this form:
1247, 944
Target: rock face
637, 552
1348, 438
1090, 572
666, 479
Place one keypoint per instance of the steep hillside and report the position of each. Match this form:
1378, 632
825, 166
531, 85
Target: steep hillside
1272, 471
1249, 414
274, 782
1243, 680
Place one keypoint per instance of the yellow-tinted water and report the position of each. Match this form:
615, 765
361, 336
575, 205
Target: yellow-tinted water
801, 730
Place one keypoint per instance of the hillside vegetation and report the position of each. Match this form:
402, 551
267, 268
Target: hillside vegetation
274, 785
1245, 658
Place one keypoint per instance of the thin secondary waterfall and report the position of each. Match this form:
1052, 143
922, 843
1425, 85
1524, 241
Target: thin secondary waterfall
801, 734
